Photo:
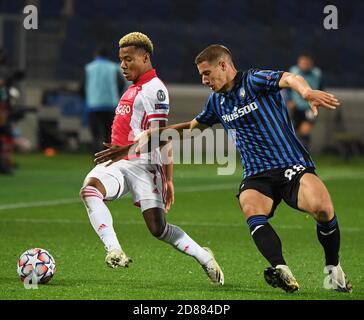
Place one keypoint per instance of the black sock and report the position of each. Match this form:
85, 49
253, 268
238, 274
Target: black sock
328, 234
266, 239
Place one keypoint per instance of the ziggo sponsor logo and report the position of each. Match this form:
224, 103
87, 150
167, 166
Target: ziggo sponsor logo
123, 109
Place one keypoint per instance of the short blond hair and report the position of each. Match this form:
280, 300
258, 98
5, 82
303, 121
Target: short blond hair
138, 40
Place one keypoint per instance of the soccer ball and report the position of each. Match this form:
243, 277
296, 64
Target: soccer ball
36, 266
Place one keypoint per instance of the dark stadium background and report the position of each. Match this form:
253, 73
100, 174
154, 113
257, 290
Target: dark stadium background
271, 31
39, 204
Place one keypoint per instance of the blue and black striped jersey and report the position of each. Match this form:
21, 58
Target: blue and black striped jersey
255, 109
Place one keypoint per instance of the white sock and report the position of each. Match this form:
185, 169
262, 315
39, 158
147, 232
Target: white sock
100, 217
182, 242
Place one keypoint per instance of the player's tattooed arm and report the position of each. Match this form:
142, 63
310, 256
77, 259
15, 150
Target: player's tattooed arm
315, 98
142, 144
113, 153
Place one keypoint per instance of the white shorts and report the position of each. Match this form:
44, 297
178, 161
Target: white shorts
145, 182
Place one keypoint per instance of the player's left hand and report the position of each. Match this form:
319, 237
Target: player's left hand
318, 98
111, 154
169, 195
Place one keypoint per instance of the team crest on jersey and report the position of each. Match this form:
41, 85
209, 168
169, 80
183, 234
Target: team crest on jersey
161, 95
242, 92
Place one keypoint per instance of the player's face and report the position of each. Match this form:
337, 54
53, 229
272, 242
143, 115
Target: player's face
133, 62
305, 63
213, 75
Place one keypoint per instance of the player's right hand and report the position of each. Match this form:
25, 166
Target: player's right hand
142, 140
111, 154
318, 98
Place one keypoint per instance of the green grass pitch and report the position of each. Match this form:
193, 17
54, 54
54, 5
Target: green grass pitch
39, 207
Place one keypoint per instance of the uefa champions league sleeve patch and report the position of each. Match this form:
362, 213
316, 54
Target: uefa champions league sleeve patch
161, 96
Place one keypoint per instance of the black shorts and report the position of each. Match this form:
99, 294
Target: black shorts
300, 116
277, 184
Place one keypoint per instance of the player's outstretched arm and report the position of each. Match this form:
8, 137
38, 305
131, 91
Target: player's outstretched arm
316, 98
176, 130
142, 142
115, 153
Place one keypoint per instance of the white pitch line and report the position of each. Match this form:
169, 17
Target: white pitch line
58, 202
20, 205
340, 175
208, 187
181, 223
326, 176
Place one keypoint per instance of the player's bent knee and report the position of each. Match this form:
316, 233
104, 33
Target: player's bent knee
249, 209
156, 228
154, 218
321, 210
95, 183
325, 212
253, 202
157, 231
90, 191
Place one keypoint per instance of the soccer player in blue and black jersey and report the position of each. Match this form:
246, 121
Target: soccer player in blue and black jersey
276, 165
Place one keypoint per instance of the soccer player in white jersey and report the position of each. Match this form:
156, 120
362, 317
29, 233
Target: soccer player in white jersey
144, 105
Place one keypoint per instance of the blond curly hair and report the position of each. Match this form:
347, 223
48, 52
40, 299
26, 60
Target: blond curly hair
137, 39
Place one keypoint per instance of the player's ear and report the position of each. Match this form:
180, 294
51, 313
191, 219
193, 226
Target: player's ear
222, 64
146, 57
